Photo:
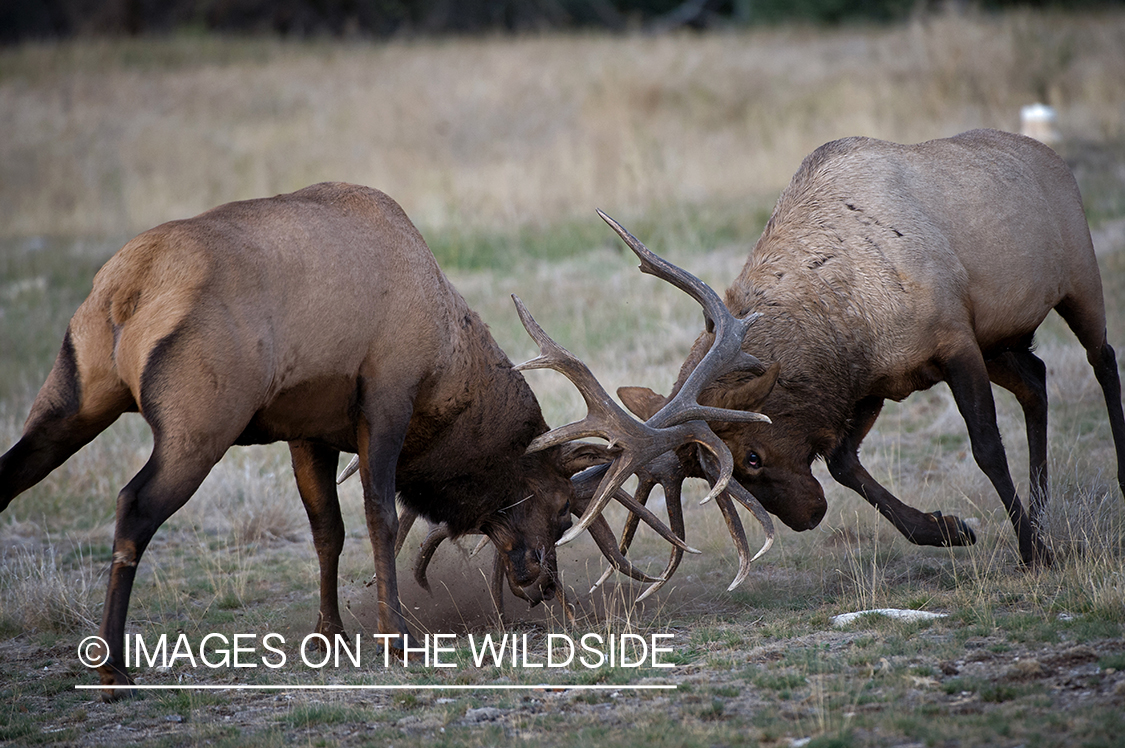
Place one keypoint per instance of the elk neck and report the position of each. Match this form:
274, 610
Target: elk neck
473, 419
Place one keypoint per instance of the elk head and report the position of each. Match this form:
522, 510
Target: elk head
777, 467
773, 461
524, 532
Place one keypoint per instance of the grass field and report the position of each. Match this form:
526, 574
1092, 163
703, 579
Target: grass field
500, 149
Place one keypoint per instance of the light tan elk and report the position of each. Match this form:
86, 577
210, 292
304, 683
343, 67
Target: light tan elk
883, 270
319, 318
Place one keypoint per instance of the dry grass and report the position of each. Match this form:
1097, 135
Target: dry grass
112, 137
43, 593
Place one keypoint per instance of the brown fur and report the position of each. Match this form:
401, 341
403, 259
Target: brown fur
319, 318
887, 268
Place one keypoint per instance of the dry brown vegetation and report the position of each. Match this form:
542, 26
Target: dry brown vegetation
488, 138
111, 137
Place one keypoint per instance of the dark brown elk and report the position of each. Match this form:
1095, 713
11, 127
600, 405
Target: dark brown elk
884, 270
319, 318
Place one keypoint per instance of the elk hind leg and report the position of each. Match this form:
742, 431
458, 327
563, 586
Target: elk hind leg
967, 375
194, 421
169, 478
1084, 313
1105, 369
1023, 374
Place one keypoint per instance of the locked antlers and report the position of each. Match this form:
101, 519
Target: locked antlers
647, 449
682, 420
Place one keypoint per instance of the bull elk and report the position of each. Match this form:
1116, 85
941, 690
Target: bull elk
884, 270
319, 318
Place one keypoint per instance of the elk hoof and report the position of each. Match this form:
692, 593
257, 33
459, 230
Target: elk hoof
953, 530
111, 676
329, 631
1035, 555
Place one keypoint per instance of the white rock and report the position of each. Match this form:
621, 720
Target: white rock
902, 615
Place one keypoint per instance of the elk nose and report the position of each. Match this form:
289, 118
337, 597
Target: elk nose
525, 565
804, 516
817, 515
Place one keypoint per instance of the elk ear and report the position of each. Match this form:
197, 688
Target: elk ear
642, 401
577, 456
752, 394
743, 390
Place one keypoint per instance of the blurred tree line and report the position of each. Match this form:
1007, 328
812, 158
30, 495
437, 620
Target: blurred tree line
31, 19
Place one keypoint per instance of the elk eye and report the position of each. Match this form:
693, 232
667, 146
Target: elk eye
566, 509
753, 461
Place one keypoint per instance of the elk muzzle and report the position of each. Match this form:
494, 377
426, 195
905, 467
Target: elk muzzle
798, 502
532, 573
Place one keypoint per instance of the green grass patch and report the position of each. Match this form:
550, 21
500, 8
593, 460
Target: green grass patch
312, 715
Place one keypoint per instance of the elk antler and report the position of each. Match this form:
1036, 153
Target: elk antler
681, 420
636, 443
584, 487
666, 471
725, 356
670, 474
430, 543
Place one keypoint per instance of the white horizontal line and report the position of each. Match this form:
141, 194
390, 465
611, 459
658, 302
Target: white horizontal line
389, 687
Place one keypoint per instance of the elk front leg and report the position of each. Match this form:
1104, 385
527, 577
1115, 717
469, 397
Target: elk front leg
381, 435
968, 379
314, 466
918, 527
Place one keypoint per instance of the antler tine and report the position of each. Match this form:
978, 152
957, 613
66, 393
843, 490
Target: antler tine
673, 501
607, 544
625, 465
496, 585
405, 522
737, 491
713, 308
434, 538
603, 414
747, 500
667, 471
729, 330
586, 487
644, 513
734, 525
484, 540
348, 470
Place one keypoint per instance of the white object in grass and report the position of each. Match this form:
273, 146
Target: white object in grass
902, 615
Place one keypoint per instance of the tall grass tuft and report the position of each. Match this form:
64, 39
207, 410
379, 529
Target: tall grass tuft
42, 593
